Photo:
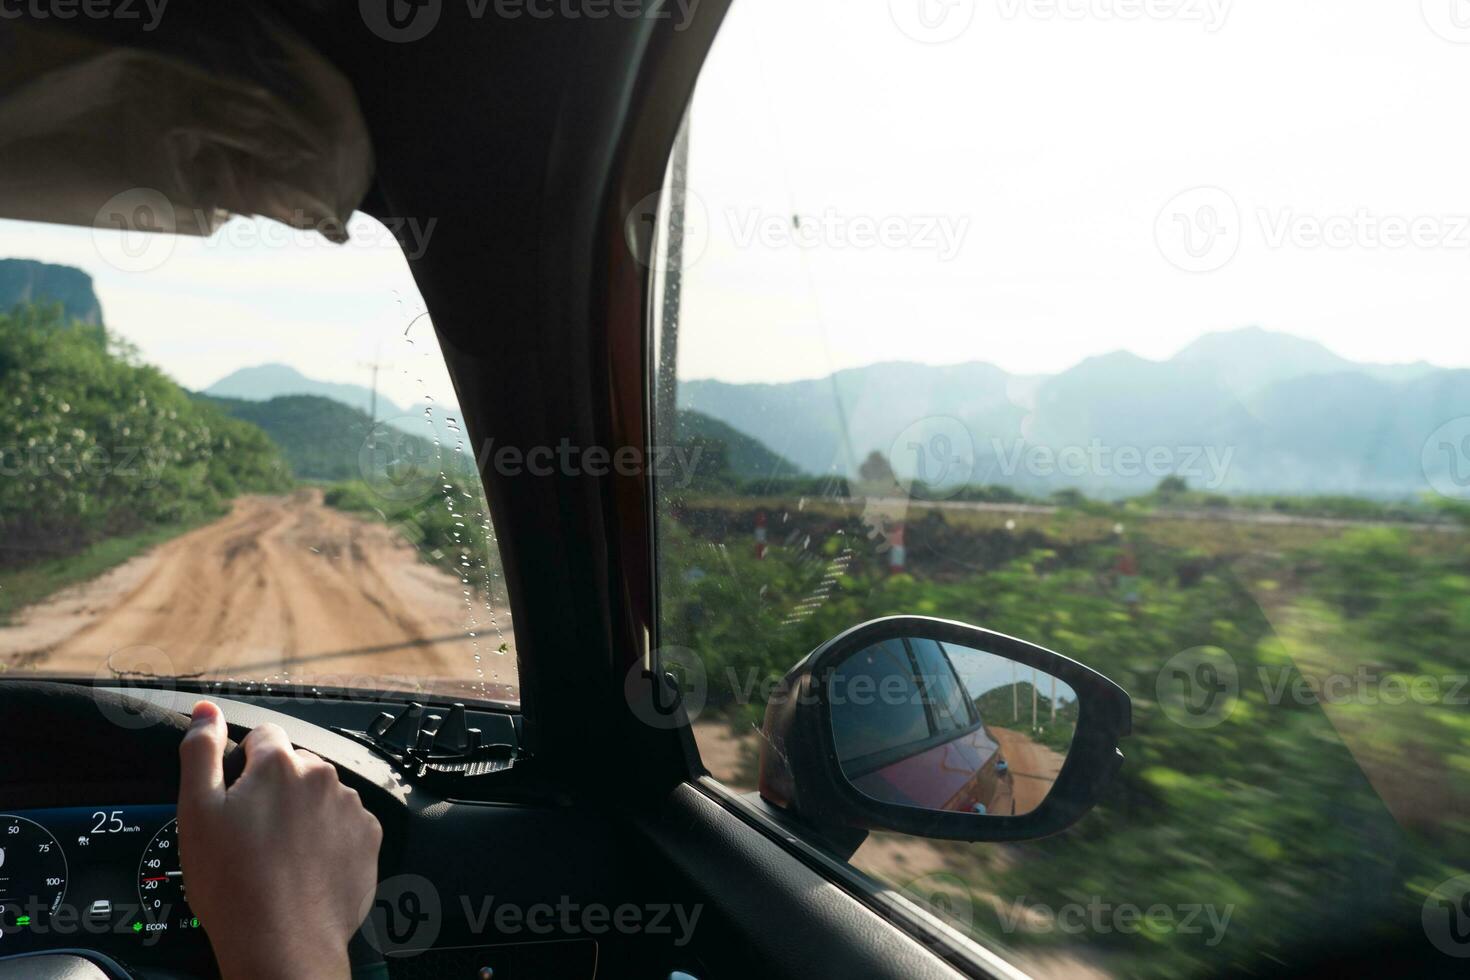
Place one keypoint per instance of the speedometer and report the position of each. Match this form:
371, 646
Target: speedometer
32, 873
160, 881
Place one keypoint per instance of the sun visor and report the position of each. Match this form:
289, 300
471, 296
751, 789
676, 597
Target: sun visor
178, 131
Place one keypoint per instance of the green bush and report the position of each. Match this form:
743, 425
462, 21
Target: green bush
1262, 815
94, 443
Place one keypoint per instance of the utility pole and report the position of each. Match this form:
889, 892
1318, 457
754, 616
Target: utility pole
1033, 699
373, 399
1015, 696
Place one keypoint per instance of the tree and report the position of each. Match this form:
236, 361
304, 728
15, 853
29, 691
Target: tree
1172, 486
875, 469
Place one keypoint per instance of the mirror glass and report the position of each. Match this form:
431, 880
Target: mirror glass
937, 726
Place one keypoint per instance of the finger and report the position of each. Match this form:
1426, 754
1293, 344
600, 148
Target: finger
266, 746
201, 757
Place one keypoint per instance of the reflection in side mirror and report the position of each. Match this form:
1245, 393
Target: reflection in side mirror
939, 729
940, 726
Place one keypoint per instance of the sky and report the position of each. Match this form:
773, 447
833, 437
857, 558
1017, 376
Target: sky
1023, 182
255, 293
1061, 142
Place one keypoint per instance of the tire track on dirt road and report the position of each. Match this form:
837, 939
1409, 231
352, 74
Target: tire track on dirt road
281, 585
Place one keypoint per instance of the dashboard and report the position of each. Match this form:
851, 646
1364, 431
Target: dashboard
89, 862
105, 877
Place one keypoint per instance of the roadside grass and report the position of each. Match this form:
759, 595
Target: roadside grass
31, 583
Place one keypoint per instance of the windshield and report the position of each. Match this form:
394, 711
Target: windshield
237, 458
1139, 337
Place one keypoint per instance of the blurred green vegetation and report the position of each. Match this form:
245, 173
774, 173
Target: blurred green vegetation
1305, 820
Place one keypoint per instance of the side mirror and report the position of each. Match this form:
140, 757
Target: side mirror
937, 729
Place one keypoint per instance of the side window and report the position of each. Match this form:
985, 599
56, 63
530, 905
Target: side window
975, 315
877, 708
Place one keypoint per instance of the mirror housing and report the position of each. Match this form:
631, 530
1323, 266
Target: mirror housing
800, 772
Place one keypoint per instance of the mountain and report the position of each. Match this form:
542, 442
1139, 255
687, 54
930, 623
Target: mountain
744, 457
319, 437
430, 420
268, 381
1248, 360
1240, 411
322, 439
26, 281
813, 422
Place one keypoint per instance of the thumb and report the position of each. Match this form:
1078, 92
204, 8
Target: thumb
201, 757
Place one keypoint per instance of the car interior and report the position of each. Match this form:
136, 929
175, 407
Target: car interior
571, 828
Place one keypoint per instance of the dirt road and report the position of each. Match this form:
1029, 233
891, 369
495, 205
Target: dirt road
1033, 767
283, 588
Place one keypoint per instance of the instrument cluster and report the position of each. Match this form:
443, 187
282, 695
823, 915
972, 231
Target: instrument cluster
102, 877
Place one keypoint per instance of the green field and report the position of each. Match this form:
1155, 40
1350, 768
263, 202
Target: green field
1300, 815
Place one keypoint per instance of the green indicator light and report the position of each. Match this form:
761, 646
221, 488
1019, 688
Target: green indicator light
193, 923
137, 927
22, 920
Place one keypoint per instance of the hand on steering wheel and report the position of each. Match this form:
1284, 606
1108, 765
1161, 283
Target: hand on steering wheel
281, 863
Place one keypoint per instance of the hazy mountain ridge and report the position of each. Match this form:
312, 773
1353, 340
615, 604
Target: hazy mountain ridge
1240, 411
266, 381
1235, 411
